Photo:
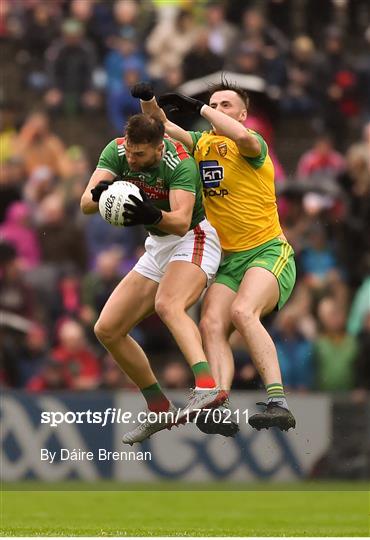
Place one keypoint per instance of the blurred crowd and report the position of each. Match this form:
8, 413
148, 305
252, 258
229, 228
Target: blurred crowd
78, 59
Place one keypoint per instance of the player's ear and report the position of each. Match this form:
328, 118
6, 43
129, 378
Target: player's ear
243, 115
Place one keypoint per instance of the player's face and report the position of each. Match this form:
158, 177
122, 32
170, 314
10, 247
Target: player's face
143, 156
229, 103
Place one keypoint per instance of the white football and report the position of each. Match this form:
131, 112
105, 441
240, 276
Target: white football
112, 200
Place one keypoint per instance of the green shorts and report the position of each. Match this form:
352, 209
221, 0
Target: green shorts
277, 256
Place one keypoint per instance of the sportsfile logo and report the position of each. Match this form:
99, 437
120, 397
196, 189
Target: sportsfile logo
118, 416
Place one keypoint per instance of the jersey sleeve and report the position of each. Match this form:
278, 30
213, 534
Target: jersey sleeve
109, 159
259, 160
185, 176
195, 136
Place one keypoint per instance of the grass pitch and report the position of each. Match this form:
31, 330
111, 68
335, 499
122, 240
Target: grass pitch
184, 513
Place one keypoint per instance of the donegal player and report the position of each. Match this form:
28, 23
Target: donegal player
182, 254
257, 274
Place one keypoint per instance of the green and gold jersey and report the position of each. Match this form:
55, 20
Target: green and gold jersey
176, 170
239, 192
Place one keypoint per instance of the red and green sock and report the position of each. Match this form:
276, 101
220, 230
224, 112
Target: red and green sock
155, 398
203, 376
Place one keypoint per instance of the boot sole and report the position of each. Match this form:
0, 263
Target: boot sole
284, 424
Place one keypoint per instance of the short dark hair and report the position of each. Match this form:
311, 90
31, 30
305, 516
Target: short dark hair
224, 84
144, 129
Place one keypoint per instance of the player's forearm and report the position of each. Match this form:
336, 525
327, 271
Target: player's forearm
176, 132
176, 222
87, 205
231, 128
173, 130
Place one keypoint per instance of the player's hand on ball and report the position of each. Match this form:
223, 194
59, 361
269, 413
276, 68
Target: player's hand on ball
141, 212
99, 188
143, 91
179, 102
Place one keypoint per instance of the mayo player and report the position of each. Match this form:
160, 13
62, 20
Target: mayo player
258, 273
182, 255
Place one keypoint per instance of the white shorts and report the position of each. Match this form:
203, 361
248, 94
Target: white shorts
199, 246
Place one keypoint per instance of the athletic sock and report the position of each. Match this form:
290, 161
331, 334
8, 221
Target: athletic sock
203, 376
275, 394
155, 398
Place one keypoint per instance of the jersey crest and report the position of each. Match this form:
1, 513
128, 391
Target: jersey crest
222, 149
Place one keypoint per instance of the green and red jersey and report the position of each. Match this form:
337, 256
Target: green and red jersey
176, 170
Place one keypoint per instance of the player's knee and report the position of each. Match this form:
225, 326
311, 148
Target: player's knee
210, 326
165, 308
103, 332
243, 316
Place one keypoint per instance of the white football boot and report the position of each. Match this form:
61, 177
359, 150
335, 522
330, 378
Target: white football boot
146, 429
201, 398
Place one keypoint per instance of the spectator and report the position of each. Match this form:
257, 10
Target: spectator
246, 376
98, 284
38, 147
298, 96
337, 85
221, 33
27, 356
113, 378
360, 307
200, 60
67, 300
12, 178
74, 183
124, 53
120, 103
362, 365
51, 378
247, 59
317, 261
175, 375
294, 350
355, 181
320, 161
97, 19
129, 16
62, 242
81, 368
8, 130
101, 236
41, 25
257, 29
17, 230
170, 82
169, 42
258, 35
16, 297
334, 351
363, 71
70, 64
260, 123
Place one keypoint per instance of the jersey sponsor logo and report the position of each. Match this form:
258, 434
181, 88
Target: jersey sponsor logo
222, 149
211, 173
159, 183
215, 192
153, 192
